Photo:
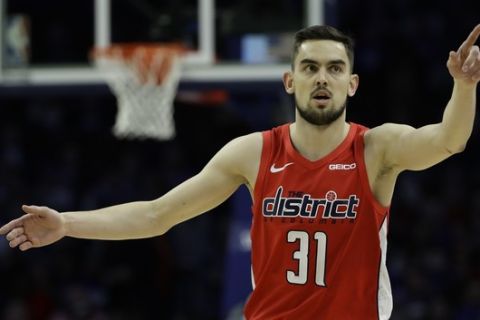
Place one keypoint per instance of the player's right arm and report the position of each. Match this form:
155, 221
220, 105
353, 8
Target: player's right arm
235, 164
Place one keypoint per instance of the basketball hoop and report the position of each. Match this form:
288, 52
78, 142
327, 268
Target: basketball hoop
144, 78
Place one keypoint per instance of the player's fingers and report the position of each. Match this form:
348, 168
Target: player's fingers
471, 39
476, 76
34, 209
17, 241
11, 225
472, 59
26, 245
15, 233
453, 59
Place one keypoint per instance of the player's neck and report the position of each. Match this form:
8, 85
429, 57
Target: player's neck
315, 142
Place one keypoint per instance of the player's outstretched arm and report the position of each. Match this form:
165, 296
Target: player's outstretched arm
235, 164
407, 148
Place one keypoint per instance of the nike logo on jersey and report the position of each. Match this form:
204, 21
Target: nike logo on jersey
274, 169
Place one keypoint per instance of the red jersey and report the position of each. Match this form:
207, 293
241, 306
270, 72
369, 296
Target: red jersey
318, 235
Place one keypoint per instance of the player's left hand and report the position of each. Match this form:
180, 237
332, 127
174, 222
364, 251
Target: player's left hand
464, 64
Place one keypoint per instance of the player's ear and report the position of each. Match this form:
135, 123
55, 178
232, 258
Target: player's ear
288, 82
353, 85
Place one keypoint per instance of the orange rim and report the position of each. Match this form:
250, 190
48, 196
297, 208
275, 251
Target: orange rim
146, 58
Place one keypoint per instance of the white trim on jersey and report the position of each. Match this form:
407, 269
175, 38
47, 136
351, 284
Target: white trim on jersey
385, 300
253, 277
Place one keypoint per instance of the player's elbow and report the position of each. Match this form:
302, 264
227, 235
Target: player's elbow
455, 148
461, 148
158, 221
451, 144
458, 146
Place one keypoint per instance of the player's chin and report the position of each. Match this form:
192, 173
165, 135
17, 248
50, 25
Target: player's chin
321, 103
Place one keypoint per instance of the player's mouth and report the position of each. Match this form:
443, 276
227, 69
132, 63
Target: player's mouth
322, 97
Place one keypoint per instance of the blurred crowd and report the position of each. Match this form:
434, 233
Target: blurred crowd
58, 150
61, 153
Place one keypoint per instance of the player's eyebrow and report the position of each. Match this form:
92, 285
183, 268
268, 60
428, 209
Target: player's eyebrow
311, 61
338, 62
308, 61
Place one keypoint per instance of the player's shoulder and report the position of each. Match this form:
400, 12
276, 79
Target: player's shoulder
241, 156
243, 148
385, 133
252, 141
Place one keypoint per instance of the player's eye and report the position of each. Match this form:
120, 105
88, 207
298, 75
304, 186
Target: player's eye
311, 68
336, 68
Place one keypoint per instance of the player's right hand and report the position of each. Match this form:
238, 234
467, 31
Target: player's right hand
464, 64
40, 226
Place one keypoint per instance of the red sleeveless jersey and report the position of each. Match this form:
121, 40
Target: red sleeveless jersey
318, 235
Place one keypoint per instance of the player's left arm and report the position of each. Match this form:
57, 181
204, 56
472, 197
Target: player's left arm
407, 148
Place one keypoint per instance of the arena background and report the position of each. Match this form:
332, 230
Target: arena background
57, 149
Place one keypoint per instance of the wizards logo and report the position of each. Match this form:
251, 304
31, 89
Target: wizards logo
330, 207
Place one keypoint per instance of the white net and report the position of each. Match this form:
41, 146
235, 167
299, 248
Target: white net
145, 84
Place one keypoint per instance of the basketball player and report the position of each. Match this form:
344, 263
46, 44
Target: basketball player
321, 189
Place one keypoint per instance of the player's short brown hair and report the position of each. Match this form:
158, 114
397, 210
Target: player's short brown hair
321, 32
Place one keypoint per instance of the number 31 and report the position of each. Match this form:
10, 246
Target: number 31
302, 256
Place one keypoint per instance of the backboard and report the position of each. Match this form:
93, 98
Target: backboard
49, 43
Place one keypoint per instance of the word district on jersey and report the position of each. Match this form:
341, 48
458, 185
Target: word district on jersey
305, 206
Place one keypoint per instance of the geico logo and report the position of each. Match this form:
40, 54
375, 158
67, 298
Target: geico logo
342, 166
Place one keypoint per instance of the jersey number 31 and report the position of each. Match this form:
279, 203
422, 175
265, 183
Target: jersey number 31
302, 256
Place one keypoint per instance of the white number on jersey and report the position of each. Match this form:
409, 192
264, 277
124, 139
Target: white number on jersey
301, 255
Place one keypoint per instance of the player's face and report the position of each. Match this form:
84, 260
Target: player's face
321, 81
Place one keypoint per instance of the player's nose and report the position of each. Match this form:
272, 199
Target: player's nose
321, 78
